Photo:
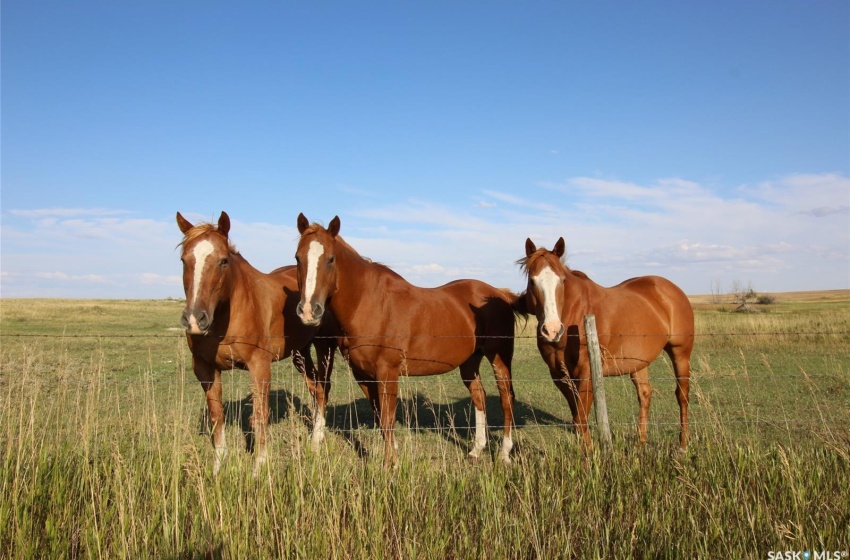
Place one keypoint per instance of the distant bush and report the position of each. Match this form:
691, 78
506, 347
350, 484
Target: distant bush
765, 299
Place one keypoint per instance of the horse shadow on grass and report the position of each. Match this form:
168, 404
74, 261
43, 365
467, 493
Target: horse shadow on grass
282, 405
454, 421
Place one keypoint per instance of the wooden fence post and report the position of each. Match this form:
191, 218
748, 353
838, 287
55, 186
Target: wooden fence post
599, 401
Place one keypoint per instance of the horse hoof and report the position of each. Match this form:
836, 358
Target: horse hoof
473, 459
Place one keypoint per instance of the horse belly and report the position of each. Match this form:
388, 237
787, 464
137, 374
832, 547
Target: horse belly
632, 354
409, 355
442, 356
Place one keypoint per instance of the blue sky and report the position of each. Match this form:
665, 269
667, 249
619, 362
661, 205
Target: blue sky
705, 142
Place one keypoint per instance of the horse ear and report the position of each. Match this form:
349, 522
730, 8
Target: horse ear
184, 224
303, 223
530, 247
224, 223
560, 247
333, 228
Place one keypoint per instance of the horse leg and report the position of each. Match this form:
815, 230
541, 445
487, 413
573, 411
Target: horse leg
583, 388
644, 395
304, 364
318, 383
321, 388
387, 403
502, 371
564, 384
210, 378
681, 358
261, 376
370, 389
469, 374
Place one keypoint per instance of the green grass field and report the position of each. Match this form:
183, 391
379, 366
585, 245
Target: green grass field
104, 451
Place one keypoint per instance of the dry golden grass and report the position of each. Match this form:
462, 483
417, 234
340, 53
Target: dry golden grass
104, 453
708, 302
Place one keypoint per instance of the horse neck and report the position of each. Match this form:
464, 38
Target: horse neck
353, 274
243, 279
578, 296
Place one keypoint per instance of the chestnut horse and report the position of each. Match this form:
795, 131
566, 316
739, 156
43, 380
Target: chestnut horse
391, 328
237, 316
636, 320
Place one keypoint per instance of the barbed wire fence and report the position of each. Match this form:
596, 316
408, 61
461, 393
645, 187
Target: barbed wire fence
439, 403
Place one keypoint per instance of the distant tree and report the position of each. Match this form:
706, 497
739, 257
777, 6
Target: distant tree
716, 292
740, 294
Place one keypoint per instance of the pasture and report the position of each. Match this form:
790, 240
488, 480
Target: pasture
105, 451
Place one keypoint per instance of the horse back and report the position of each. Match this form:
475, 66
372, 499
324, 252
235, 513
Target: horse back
641, 316
666, 297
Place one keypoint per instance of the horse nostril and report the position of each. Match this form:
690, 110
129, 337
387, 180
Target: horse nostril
203, 320
184, 319
318, 310
299, 309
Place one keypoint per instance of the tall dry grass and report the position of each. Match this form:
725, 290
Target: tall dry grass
104, 455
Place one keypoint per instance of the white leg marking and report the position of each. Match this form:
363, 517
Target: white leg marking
546, 281
220, 454
505, 453
259, 461
318, 430
480, 433
316, 250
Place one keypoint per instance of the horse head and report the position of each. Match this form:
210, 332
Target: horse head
317, 272
545, 293
206, 271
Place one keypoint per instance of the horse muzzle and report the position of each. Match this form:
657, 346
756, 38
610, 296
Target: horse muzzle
310, 315
550, 334
196, 321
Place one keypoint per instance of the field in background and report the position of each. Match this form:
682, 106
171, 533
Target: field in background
104, 451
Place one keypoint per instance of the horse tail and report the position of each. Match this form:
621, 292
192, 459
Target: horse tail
518, 303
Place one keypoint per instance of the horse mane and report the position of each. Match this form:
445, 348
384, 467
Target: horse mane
314, 227
201, 229
528, 259
345, 244
525, 262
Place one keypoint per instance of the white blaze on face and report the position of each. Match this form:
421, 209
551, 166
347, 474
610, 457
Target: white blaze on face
201, 252
315, 251
547, 281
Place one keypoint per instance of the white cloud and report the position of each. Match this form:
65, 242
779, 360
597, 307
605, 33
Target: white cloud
784, 234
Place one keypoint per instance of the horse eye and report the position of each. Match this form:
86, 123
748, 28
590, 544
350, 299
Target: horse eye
331, 259
223, 262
